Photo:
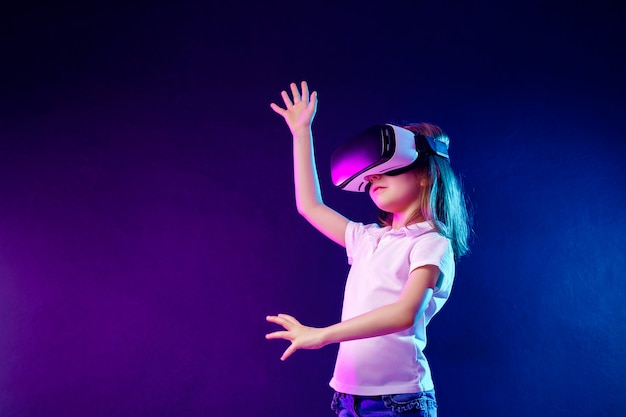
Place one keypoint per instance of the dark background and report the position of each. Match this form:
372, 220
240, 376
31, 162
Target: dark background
148, 225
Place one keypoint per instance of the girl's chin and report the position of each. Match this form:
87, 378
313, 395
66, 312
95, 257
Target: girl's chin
384, 207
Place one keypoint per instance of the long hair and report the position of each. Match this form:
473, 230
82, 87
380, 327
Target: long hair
443, 201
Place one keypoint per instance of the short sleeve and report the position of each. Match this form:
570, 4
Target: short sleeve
434, 249
354, 233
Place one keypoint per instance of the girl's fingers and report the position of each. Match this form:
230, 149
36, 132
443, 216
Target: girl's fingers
313, 102
290, 319
295, 92
288, 352
275, 319
305, 91
281, 321
278, 109
309, 99
291, 325
286, 99
278, 335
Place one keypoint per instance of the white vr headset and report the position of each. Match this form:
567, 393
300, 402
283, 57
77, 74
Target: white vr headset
381, 149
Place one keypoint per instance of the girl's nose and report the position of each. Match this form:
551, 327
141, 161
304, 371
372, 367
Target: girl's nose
371, 178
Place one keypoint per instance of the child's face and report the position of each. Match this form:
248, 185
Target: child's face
398, 193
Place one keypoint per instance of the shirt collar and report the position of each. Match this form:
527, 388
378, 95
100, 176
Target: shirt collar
414, 229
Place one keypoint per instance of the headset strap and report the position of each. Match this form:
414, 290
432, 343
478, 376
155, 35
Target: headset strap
429, 145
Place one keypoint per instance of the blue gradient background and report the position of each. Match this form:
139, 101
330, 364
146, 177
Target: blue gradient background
148, 225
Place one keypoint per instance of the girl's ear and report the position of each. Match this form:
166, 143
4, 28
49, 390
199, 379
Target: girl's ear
422, 179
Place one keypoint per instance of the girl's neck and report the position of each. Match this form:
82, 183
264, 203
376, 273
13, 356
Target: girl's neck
400, 220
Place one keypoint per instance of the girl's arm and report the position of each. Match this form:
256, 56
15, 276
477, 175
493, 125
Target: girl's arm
391, 318
299, 115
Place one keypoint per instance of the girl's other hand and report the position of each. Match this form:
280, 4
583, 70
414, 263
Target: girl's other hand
301, 337
300, 112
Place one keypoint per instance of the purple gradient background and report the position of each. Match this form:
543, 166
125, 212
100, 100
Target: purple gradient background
147, 220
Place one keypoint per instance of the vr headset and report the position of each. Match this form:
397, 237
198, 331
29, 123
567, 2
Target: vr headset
381, 149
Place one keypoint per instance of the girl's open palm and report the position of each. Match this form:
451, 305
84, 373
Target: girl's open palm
301, 337
300, 111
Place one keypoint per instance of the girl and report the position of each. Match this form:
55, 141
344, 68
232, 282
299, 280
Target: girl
401, 273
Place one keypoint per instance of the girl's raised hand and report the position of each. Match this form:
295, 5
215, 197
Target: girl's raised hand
301, 337
300, 112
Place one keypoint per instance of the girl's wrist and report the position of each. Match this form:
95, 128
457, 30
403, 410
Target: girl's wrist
300, 132
325, 336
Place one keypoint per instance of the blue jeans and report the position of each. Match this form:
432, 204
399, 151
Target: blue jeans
422, 404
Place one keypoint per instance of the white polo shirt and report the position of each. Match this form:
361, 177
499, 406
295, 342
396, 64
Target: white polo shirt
381, 260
